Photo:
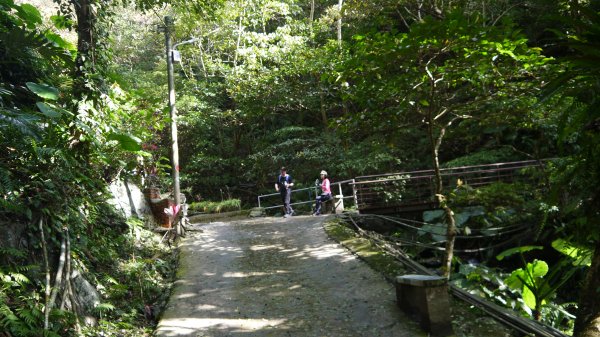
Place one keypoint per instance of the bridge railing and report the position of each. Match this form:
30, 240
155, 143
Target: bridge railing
414, 190
341, 190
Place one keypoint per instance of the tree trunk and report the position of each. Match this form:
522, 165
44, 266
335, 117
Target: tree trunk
587, 323
85, 44
312, 11
239, 39
322, 105
436, 143
441, 199
339, 23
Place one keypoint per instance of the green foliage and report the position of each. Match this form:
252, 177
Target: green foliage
21, 304
577, 88
464, 218
227, 205
495, 285
485, 156
530, 280
580, 256
536, 281
135, 274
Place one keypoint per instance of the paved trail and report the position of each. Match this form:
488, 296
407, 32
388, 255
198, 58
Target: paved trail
278, 277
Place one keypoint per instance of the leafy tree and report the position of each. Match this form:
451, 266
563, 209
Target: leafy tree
578, 169
444, 71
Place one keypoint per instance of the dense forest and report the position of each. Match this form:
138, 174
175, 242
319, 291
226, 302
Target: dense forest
353, 87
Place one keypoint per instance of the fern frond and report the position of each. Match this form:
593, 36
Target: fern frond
6, 183
19, 121
12, 252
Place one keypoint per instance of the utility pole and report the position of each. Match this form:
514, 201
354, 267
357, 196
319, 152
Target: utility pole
173, 114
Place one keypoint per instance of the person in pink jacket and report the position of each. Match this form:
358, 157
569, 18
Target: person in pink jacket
325, 192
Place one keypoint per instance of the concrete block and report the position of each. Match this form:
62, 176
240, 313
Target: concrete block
425, 297
338, 201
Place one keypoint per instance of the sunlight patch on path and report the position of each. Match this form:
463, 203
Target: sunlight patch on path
188, 326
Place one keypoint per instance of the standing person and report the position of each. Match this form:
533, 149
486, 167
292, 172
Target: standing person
325, 192
284, 187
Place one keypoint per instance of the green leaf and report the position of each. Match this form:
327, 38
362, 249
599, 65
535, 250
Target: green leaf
59, 41
538, 268
428, 216
437, 231
514, 281
47, 110
516, 250
581, 256
528, 297
29, 14
127, 142
61, 22
465, 214
43, 90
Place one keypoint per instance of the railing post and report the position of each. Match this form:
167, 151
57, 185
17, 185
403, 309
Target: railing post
259, 201
354, 193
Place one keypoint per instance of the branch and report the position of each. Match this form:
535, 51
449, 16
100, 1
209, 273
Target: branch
438, 141
74, 304
441, 114
59, 272
48, 277
403, 20
504, 13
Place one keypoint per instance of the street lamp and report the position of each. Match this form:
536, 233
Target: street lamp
173, 56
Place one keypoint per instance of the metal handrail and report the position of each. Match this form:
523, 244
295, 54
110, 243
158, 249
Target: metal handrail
309, 189
461, 169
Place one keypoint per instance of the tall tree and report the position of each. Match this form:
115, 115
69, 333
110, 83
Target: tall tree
445, 71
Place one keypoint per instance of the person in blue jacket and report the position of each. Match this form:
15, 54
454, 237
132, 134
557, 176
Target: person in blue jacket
284, 187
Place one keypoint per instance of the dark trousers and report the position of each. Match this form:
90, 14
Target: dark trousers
321, 199
286, 196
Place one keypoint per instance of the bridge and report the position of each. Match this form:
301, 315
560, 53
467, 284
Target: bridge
412, 191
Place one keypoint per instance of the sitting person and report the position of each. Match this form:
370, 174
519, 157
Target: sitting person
325, 192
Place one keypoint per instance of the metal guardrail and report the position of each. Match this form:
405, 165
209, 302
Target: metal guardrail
310, 198
414, 190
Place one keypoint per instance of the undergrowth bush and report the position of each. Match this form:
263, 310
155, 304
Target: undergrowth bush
135, 285
216, 206
130, 269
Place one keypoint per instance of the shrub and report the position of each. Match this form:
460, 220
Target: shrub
216, 206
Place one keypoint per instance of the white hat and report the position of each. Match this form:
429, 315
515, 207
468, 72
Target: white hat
324, 172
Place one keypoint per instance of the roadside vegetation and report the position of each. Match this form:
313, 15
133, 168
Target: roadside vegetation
228, 205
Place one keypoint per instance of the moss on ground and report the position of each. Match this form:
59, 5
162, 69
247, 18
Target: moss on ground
381, 262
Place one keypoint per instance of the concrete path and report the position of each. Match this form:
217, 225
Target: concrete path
277, 277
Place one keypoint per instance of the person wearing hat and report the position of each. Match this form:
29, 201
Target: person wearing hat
284, 187
325, 192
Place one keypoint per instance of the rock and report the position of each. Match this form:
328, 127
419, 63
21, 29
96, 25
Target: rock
87, 297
